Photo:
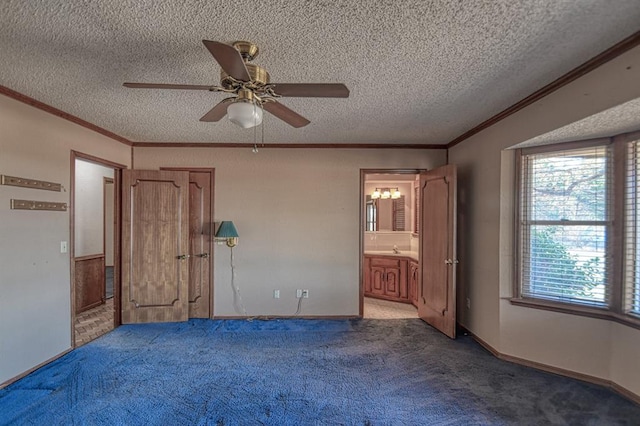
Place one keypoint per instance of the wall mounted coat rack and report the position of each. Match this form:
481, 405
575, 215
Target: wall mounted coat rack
38, 205
30, 183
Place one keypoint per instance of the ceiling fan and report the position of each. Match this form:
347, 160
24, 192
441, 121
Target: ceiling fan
251, 87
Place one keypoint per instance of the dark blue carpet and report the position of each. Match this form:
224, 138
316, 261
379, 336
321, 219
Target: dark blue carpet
298, 372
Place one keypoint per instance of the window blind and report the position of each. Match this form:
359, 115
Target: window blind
565, 226
398, 214
632, 236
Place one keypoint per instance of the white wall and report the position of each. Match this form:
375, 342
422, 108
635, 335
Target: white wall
297, 212
35, 287
89, 207
109, 201
590, 346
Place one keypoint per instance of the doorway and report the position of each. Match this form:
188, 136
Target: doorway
395, 271
390, 244
94, 232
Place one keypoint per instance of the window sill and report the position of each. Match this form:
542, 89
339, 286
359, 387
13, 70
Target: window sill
599, 313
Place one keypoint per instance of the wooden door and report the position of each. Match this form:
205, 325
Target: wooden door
437, 289
200, 237
155, 244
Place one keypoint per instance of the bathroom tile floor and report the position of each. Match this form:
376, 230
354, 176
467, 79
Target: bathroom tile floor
384, 309
94, 323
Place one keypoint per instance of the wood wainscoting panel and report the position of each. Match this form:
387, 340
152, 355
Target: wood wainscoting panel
89, 281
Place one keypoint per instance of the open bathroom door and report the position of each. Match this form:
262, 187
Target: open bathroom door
438, 261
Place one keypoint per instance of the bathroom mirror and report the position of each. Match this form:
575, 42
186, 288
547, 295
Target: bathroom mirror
385, 213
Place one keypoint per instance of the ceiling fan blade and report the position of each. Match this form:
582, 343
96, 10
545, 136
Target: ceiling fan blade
285, 114
217, 112
166, 86
229, 59
311, 90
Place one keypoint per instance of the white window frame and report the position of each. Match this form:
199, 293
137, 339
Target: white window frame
617, 308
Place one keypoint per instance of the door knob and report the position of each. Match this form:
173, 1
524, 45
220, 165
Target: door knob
202, 255
448, 261
183, 256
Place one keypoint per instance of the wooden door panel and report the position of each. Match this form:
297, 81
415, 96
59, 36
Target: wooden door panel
392, 281
377, 280
199, 244
436, 292
155, 234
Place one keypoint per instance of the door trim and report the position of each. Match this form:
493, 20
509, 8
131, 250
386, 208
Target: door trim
212, 174
117, 177
361, 219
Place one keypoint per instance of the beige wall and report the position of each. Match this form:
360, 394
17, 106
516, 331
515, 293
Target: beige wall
589, 346
35, 312
297, 212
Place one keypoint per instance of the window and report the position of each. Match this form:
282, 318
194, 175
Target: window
572, 256
632, 224
565, 226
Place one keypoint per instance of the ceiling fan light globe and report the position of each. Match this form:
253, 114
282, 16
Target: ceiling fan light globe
245, 114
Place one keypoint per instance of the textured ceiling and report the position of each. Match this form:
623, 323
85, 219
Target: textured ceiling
419, 71
624, 118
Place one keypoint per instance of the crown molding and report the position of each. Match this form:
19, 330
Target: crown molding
593, 63
59, 113
286, 145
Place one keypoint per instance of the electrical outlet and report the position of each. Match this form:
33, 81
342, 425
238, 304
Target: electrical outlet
305, 294
299, 293
276, 294
468, 303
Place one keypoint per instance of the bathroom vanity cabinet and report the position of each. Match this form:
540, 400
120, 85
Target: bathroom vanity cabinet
414, 281
391, 277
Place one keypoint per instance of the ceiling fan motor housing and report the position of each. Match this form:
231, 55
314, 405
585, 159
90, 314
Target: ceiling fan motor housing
258, 75
247, 49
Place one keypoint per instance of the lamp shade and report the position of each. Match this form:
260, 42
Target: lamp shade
227, 230
245, 114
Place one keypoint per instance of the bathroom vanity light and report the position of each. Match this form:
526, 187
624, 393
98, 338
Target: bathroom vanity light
227, 232
386, 193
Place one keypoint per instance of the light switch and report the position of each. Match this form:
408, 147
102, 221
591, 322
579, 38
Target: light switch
63, 246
